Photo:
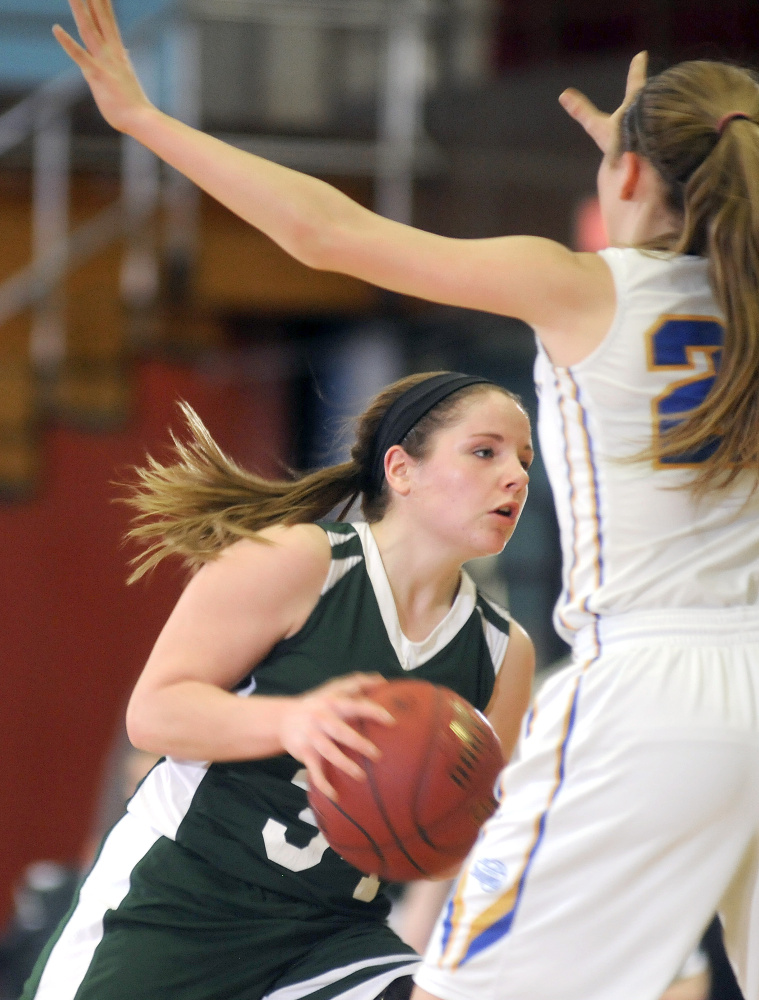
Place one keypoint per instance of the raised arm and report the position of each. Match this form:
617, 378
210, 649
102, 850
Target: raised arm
228, 618
533, 279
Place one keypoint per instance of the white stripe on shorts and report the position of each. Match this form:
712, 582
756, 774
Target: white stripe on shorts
367, 990
103, 889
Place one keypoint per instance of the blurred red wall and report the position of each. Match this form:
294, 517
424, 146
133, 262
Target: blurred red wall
73, 637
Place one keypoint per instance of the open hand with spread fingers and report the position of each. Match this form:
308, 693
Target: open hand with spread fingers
603, 128
104, 61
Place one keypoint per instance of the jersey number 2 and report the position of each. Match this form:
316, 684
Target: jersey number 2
674, 345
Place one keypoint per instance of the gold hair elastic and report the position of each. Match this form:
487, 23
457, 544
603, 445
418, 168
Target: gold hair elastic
725, 119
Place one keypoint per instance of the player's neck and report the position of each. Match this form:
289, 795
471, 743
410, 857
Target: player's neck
424, 583
641, 223
637, 211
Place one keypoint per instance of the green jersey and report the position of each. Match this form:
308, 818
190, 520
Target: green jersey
251, 819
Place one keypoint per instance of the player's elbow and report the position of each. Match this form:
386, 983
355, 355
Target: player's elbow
140, 730
316, 242
330, 233
135, 728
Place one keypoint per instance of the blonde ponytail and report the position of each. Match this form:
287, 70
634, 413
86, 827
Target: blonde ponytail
204, 501
698, 124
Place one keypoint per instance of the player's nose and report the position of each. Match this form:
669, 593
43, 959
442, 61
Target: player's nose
515, 476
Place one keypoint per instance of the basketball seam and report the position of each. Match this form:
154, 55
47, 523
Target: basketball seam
428, 762
440, 703
372, 841
384, 814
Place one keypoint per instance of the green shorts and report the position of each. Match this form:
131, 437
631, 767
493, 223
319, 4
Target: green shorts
183, 930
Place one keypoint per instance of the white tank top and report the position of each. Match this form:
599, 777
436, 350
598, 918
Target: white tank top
629, 541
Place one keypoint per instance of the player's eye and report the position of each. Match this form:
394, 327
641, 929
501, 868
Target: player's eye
484, 452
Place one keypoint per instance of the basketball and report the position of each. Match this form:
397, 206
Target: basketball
423, 802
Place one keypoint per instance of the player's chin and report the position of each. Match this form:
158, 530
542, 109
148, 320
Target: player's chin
490, 547
497, 534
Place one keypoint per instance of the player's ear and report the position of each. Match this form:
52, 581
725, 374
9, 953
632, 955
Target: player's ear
398, 465
630, 167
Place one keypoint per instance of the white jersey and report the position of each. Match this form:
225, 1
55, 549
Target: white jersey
630, 541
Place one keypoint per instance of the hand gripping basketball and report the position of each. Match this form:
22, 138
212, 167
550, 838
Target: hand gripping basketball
419, 810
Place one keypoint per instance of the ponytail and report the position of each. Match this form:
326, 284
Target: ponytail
204, 501
698, 124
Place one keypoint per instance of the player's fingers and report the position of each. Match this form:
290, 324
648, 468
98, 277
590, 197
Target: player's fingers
363, 708
330, 751
577, 105
636, 75
343, 733
347, 697
99, 15
584, 111
105, 18
72, 49
357, 684
85, 25
316, 777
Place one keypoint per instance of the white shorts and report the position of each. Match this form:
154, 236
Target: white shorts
629, 815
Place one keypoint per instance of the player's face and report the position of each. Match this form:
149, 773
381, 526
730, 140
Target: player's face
470, 489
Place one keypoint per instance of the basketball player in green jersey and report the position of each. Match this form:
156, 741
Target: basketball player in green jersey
217, 882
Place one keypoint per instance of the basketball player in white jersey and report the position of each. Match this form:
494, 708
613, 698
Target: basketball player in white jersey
631, 812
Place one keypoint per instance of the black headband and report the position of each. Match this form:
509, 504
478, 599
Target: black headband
405, 412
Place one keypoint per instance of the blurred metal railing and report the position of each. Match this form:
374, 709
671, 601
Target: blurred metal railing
399, 148
44, 117
392, 157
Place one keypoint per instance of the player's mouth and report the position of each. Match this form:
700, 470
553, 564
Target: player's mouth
508, 512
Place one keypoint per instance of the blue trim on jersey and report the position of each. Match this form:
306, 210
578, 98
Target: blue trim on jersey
597, 518
596, 487
529, 720
567, 589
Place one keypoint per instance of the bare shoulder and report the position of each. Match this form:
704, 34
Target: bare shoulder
239, 605
520, 652
305, 543
270, 584
568, 297
295, 556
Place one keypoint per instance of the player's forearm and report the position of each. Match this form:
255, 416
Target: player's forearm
297, 211
192, 720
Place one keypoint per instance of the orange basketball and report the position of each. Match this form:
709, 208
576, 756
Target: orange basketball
423, 802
